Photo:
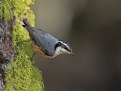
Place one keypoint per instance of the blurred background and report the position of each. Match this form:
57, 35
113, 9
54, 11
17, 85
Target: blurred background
93, 29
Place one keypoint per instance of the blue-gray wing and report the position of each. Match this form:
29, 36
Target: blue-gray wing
45, 41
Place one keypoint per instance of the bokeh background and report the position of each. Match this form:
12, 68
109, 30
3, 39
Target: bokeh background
93, 29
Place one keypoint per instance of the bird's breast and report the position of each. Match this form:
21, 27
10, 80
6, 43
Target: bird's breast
37, 49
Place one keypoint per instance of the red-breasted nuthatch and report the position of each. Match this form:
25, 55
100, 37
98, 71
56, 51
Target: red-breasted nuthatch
45, 44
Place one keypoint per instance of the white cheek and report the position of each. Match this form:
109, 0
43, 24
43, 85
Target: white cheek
60, 50
63, 50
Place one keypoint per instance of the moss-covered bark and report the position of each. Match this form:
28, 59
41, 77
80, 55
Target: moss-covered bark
21, 75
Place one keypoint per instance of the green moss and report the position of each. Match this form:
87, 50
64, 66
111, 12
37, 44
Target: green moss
22, 75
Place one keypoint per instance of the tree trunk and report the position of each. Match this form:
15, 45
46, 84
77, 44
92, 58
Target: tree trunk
17, 72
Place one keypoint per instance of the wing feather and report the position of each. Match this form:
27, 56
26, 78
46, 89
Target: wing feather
45, 41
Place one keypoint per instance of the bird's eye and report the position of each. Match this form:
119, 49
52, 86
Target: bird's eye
67, 48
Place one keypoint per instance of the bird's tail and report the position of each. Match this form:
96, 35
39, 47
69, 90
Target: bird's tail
28, 27
26, 23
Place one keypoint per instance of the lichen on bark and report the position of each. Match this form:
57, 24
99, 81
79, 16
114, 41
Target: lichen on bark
21, 75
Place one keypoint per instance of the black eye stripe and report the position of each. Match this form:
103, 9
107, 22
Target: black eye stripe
57, 45
63, 46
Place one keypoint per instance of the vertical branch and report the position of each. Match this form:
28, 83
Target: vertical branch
16, 74
6, 46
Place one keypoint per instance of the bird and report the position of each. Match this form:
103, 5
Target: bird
44, 44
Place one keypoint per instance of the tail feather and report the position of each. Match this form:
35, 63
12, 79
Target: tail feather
26, 23
28, 27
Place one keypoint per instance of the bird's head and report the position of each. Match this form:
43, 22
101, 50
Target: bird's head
62, 48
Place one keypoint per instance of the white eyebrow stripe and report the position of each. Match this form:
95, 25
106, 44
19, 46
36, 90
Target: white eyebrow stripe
65, 44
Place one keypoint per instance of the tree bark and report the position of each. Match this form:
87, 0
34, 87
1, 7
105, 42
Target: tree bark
17, 72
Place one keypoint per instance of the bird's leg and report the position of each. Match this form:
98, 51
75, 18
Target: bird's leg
32, 56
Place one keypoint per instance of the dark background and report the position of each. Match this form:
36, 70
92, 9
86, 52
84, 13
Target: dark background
93, 29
